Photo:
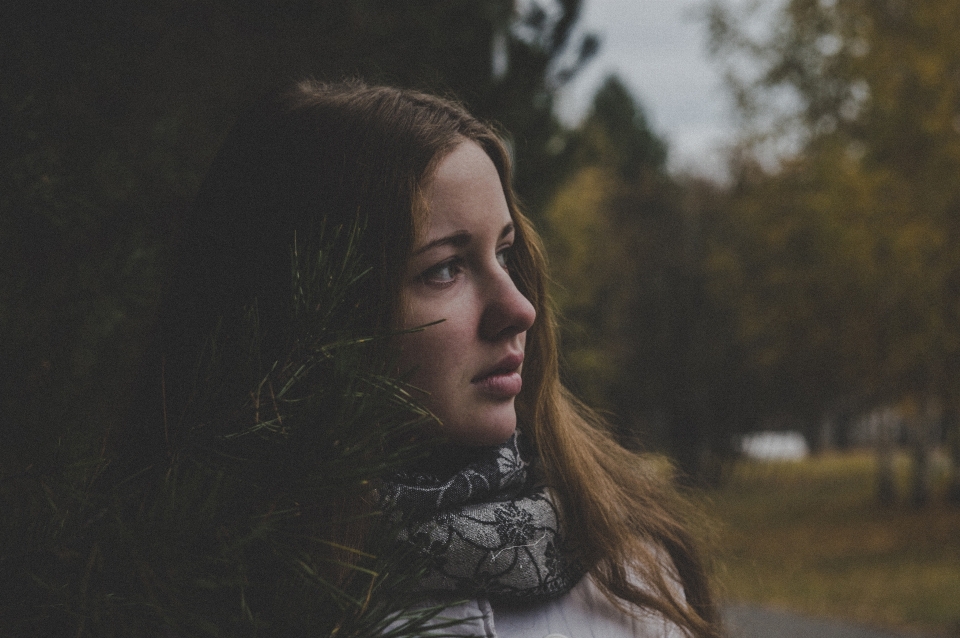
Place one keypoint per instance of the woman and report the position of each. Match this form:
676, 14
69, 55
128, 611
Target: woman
556, 529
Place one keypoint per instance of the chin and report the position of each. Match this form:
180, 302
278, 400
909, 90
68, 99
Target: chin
492, 431
497, 436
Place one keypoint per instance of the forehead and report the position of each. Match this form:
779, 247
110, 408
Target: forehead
463, 190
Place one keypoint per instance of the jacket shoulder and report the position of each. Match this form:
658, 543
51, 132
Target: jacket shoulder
583, 612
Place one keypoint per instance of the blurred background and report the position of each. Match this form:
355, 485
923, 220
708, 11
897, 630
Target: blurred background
752, 211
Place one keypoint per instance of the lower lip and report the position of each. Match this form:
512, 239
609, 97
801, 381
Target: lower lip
501, 386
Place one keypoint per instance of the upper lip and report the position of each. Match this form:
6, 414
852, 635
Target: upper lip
510, 363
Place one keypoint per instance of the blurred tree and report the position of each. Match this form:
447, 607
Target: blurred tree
867, 101
640, 335
616, 193
797, 276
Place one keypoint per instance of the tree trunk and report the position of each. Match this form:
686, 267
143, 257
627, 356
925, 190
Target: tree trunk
920, 485
953, 491
921, 442
882, 425
952, 426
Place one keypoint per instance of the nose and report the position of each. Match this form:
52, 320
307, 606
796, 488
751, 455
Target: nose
506, 311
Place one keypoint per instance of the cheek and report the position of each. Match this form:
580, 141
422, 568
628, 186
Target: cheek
417, 355
433, 352
438, 347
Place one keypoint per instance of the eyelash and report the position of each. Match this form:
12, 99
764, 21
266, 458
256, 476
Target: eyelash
455, 264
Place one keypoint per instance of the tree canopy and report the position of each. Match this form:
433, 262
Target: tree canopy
843, 257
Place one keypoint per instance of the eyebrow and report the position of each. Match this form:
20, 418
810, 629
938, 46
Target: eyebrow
458, 239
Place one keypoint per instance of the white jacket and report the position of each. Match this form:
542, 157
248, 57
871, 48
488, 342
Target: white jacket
583, 612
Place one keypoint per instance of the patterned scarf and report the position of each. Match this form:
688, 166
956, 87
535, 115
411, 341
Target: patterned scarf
489, 528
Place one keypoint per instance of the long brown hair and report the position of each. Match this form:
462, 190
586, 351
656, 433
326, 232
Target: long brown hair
626, 519
334, 153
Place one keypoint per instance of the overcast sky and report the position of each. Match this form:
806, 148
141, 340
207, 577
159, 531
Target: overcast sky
659, 49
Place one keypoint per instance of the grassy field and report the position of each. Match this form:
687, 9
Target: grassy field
808, 536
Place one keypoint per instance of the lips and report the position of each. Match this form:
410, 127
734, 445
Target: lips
502, 380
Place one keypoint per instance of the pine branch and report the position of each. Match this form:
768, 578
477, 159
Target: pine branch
260, 521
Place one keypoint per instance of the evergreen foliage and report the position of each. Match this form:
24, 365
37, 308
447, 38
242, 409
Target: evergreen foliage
258, 521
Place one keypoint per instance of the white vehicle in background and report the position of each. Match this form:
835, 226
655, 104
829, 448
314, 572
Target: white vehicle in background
774, 446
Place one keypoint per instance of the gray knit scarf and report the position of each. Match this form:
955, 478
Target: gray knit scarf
489, 529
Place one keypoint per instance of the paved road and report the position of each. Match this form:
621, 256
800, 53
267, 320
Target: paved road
751, 621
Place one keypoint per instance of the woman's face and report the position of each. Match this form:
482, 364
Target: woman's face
470, 364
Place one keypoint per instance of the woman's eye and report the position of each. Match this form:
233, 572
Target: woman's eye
442, 273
